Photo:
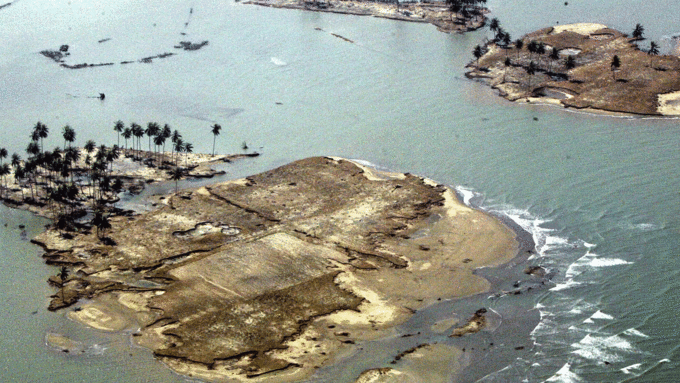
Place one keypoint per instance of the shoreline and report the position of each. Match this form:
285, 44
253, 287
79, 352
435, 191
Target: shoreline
134, 169
95, 313
576, 72
436, 13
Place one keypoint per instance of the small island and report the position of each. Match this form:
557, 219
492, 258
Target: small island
582, 66
449, 16
273, 275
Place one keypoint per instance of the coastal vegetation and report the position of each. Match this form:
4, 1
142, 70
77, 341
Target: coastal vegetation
583, 66
77, 187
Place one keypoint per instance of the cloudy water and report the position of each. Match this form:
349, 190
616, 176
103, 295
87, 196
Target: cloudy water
598, 195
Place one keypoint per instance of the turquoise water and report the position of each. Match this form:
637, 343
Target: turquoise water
598, 194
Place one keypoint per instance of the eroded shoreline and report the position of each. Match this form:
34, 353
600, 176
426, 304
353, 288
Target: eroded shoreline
435, 13
581, 73
371, 260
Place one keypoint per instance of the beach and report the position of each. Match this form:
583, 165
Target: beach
371, 261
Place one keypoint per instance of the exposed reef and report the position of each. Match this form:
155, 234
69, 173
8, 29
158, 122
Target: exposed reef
272, 275
583, 73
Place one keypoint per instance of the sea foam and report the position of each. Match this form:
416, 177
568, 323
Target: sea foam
564, 375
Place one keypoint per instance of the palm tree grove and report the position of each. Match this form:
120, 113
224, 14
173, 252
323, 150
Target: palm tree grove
77, 187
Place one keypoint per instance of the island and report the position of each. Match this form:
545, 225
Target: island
582, 66
274, 275
449, 16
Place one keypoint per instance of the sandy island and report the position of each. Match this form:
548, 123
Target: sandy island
642, 85
436, 13
269, 277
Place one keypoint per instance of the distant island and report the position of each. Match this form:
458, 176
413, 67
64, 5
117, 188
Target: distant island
582, 66
450, 16
273, 275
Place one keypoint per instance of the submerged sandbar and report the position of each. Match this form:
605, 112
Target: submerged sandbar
270, 276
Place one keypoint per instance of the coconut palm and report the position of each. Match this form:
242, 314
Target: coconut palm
33, 149
101, 222
554, 55
506, 40
531, 70
127, 133
216, 132
152, 130
118, 127
158, 141
176, 176
494, 25
20, 174
188, 148
519, 43
3, 155
89, 146
175, 137
40, 131
177, 146
138, 132
653, 51
615, 64
478, 52
4, 171
16, 160
638, 32
507, 64
69, 136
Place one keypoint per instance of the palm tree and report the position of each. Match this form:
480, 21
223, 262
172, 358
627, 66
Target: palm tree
615, 64
166, 133
519, 43
532, 47
507, 63
101, 222
138, 132
638, 32
540, 50
4, 171
20, 174
176, 176
531, 70
152, 130
69, 136
89, 146
127, 133
158, 141
478, 52
33, 149
554, 55
3, 155
118, 127
570, 62
494, 24
175, 137
653, 51
506, 40
41, 131
216, 132
16, 160
188, 148
177, 146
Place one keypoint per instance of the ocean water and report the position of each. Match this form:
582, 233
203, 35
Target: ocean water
597, 194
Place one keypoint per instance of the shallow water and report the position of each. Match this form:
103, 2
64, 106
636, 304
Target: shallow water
599, 194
